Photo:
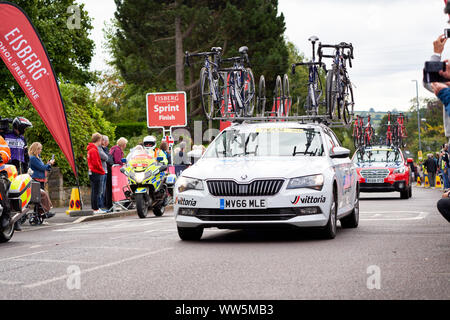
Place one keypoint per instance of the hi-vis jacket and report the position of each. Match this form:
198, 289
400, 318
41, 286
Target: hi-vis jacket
5, 152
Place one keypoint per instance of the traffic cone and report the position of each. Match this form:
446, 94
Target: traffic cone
75, 202
419, 182
427, 182
438, 182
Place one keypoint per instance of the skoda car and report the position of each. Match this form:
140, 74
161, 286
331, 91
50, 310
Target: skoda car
383, 169
269, 174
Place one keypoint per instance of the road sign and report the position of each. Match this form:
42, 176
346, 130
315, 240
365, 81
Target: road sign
419, 155
166, 109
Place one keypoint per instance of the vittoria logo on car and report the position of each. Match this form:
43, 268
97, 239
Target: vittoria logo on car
186, 202
309, 199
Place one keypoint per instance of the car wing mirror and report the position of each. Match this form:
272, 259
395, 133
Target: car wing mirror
339, 152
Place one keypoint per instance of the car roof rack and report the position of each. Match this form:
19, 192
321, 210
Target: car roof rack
320, 119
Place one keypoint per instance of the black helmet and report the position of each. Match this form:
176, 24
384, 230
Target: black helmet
21, 123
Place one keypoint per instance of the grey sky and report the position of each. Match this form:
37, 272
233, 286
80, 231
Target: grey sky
392, 39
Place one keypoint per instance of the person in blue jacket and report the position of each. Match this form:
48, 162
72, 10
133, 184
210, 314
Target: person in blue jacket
39, 169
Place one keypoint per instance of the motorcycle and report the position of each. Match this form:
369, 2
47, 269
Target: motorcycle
148, 184
15, 195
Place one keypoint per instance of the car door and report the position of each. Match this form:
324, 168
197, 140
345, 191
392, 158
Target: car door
339, 168
349, 176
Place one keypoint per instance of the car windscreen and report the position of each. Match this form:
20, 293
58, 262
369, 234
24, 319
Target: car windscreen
378, 155
266, 142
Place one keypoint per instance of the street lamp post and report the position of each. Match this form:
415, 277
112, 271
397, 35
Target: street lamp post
418, 111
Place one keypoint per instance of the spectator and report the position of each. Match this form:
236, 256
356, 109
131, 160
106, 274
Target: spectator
39, 174
165, 148
104, 158
96, 170
107, 187
118, 150
431, 167
443, 206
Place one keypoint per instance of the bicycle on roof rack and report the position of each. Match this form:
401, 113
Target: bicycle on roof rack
240, 85
339, 91
212, 81
314, 82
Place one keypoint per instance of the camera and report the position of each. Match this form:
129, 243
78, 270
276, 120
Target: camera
431, 72
447, 33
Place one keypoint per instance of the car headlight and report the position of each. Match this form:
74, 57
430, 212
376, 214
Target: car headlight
400, 170
184, 184
313, 182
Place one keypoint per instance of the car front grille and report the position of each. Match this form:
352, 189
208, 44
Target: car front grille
374, 173
228, 188
273, 214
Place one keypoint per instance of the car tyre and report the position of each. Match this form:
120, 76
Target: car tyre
329, 231
404, 194
352, 220
190, 234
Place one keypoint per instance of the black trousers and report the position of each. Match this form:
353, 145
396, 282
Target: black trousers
443, 206
95, 189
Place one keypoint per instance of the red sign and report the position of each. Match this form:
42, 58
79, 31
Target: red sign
25, 56
167, 109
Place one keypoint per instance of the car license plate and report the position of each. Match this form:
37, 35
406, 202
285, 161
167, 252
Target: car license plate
379, 180
243, 204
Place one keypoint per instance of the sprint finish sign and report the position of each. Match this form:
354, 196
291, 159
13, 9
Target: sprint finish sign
166, 110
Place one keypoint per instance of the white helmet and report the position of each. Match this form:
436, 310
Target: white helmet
149, 143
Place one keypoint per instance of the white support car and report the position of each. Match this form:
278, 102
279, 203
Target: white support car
269, 174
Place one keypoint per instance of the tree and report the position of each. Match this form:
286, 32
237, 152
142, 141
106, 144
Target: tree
70, 50
149, 38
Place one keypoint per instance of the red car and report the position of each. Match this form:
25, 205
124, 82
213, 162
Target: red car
383, 169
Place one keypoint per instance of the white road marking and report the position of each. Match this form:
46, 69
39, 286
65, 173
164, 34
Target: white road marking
385, 216
22, 256
54, 261
111, 264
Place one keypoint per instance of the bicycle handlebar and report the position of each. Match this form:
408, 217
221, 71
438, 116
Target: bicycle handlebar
187, 55
320, 64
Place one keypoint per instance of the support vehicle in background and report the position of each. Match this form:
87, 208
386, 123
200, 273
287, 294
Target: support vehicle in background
383, 169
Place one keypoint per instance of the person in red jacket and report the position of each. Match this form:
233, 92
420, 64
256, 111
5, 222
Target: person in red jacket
95, 170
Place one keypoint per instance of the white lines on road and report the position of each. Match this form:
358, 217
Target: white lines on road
22, 256
391, 216
53, 261
111, 264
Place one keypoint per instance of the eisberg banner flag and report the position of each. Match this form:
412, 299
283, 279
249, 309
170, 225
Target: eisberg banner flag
24, 54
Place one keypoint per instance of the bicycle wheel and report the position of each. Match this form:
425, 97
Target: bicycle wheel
348, 103
261, 97
331, 92
286, 98
207, 99
235, 95
278, 105
249, 93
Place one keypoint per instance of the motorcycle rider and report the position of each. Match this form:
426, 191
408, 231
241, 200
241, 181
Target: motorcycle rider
150, 147
18, 144
5, 156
